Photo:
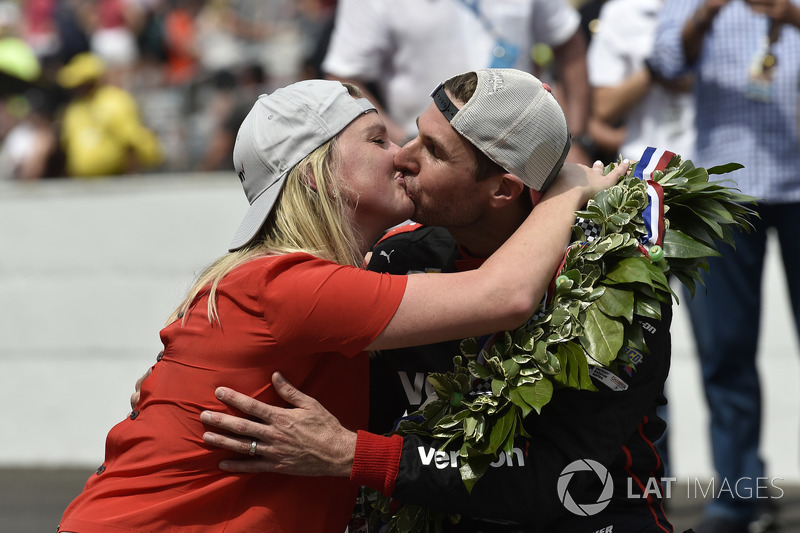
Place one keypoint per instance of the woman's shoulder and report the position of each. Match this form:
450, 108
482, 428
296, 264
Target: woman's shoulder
282, 262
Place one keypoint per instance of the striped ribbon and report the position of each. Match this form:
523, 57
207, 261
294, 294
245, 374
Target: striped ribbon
653, 159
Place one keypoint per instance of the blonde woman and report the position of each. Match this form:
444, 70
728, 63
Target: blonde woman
317, 167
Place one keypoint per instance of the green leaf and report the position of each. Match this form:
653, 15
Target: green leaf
678, 244
478, 370
616, 303
573, 354
603, 337
510, 368
501, 429
469, 346
536, 395
515, 395
631, 270
647, 306
724, 169
498, 386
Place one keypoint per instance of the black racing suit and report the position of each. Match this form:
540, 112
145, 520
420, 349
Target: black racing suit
615, 428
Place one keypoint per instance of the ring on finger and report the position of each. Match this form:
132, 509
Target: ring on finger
253, 447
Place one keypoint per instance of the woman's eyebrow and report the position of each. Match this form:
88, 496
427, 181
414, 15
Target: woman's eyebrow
375, 129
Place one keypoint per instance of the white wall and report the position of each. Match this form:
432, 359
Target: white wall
89, 271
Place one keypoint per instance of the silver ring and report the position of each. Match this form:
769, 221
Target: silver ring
253, 447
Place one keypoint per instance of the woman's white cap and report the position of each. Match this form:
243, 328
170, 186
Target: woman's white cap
281, 129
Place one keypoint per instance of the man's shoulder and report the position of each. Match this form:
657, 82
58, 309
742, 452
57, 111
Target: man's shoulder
414, 248
414, 232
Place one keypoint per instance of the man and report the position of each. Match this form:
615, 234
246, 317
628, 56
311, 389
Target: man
625, 93
455, 184
746, 58
102, 133
394, 48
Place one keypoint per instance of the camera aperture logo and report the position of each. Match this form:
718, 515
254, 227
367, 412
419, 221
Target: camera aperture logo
585, 509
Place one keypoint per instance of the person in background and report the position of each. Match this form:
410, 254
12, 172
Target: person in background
628, 97
30, 151
102, 133
465, 222
317, 167
395, 48
626, 93
745, 56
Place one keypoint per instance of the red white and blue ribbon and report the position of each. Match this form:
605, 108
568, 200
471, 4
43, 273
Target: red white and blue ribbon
653, 159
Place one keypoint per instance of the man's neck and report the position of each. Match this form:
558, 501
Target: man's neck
483, 238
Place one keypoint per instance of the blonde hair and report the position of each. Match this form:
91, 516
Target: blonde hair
311, 215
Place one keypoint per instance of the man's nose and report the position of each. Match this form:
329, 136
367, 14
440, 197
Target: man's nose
405, 159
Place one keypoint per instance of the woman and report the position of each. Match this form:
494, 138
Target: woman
317, 167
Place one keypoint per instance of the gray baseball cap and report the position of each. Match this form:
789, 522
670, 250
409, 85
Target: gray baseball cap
281, 129
516, 121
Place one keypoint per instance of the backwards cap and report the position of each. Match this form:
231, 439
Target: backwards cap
282, 129
516, 121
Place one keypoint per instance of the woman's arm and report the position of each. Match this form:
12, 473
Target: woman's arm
506, 289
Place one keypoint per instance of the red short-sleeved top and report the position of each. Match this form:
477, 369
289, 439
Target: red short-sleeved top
308, 318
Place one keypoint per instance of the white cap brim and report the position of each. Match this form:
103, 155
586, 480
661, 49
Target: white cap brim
256, 215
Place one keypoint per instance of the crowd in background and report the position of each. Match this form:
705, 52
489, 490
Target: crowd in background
190, 67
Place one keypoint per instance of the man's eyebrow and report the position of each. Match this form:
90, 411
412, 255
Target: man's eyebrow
427, 139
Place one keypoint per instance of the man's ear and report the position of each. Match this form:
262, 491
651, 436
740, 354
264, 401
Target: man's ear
507, 189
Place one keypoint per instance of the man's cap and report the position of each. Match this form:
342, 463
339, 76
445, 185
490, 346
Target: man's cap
280, 130
82, 68
516, 121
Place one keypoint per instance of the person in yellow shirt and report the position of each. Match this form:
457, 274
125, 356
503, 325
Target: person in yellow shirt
102, 132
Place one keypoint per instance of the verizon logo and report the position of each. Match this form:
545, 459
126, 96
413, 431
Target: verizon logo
449, 459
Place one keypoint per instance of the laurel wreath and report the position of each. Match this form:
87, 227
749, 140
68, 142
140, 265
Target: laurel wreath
588, 321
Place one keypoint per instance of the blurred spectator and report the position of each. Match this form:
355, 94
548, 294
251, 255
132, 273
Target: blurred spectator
607, 138
180, 42
217, 37
398, 47
30, 150
18, 61
316, 25
626, 94
112, 37
41, 30
102, 133
61, 27
746, 56
233, 98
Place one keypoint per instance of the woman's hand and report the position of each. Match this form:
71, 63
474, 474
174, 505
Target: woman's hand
138, 388
305, 441
585, 181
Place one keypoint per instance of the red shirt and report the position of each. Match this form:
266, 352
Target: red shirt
308, 318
